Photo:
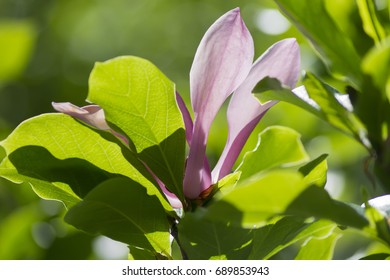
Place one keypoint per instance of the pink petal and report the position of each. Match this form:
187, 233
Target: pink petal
172, 198
92, 115
189, 129
281, 61
221, 63
186, 117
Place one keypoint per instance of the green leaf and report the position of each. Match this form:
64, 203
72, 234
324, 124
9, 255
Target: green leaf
17, 39
371, 24
269, 240
63, 159
140, 254
225, 185
257, 199
315, 171
377, 64
379, 224
140, 101
318, 248
317, 98
277, 146
334, 46
202, 239
260, 198
378, 256
121, 209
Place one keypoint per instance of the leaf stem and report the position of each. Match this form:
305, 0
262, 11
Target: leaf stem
175, 235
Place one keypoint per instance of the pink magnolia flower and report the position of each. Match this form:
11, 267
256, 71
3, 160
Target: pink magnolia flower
222, 66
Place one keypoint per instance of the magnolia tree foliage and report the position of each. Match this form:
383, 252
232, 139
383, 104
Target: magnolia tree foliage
121, 168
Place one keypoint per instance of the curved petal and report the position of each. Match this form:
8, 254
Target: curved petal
206, 179
221, 63
172, 198
92, 115
186, 117
280, 61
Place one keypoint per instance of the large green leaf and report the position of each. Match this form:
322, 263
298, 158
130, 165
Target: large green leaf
202, 239
63, 159
335, 47
269, 240
121, 209
277, 147
260, 198
317, 98
140, 101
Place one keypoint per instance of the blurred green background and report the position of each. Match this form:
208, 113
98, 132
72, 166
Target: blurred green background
47, 50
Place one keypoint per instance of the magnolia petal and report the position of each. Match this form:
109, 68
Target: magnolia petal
172, 198
92, 115
221, 63
189, 128
186, 117
280, 61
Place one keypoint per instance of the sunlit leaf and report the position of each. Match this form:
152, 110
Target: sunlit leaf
259, 198
315, 171
379, 226
63, 159
140, 101
371, 24
318, 248
122, 210
271, 239
317, 98
276, 147
377, 64
334, 46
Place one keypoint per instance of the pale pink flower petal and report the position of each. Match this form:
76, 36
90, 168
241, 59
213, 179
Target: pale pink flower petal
280, 61
221, 63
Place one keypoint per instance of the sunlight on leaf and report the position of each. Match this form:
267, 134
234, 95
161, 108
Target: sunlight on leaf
259, 198
318, 248
63, 159
333, 45
271, 239
371, 23
140, 101
276, 147
319, 99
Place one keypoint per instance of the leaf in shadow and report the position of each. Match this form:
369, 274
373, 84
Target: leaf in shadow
79, 174
202, 239
121, 209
